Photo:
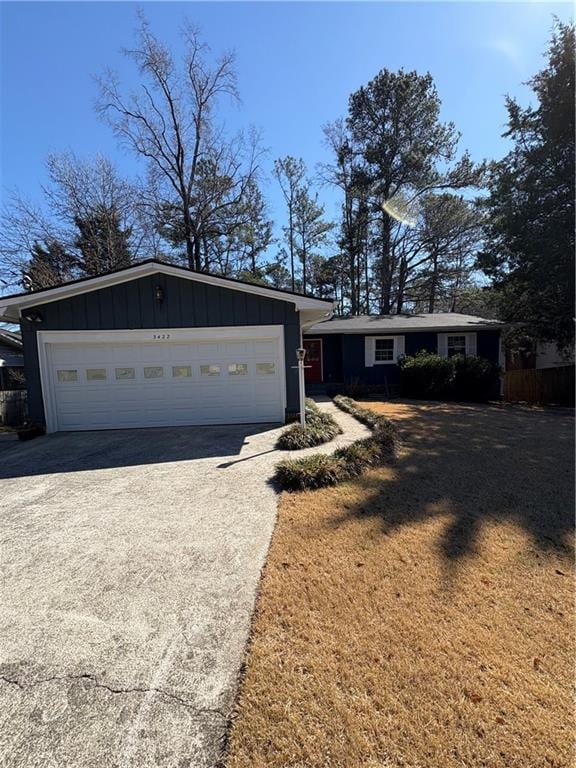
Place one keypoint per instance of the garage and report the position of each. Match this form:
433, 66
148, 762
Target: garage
156, 345
163, 378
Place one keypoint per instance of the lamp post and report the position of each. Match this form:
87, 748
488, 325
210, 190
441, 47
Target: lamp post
300, 355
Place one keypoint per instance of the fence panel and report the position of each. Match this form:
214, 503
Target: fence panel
542, 386
13, 407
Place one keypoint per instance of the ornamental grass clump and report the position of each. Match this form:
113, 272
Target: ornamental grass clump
320, 428
319, 470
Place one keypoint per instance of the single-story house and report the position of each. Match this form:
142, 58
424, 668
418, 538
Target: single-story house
11, 360
159, 345
366, 349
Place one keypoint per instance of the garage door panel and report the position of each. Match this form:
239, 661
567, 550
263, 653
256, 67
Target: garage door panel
114, 385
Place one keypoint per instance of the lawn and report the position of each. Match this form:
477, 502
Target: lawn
421, 615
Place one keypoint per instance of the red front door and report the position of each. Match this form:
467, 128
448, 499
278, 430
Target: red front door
313, 360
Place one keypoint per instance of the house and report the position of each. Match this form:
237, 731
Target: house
366, 349
159, 345
11, 361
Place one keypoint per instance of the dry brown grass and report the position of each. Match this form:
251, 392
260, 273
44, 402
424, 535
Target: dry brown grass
421, 616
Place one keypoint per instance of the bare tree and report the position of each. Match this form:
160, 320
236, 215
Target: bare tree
195, 172
290, 172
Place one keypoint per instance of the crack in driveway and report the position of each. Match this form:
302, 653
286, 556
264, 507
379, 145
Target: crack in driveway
110, 689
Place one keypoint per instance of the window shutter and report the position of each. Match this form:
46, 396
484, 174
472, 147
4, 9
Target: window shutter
471, 344
369, 351
399, 348
443, 344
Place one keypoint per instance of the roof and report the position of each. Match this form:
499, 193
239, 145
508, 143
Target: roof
10, 306
10, 339
426, 321
10, 349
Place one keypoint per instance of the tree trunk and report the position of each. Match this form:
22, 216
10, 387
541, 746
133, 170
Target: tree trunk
433, 282
385, 268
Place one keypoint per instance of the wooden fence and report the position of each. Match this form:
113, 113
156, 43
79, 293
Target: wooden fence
13, 410
543, 386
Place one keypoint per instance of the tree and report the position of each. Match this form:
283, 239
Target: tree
49, 265
310, 230
290, 173
196, 175
448, 235
85, 207
103, 244
529, 232
390, 151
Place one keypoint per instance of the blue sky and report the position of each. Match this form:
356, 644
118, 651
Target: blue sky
297, 63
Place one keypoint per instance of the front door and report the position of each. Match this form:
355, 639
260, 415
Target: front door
313, 360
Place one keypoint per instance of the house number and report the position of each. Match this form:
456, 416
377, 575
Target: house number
161, 336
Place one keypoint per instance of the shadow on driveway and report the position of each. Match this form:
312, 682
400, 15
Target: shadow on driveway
81, 451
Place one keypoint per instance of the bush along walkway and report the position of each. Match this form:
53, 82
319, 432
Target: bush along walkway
320, 470
320, 428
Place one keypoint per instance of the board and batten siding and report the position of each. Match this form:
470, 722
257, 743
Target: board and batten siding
344, 355
186, 304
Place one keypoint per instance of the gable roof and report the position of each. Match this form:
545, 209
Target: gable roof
10, 349
426, 321
10, 306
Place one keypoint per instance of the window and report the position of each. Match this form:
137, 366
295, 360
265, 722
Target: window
67, 375
262, 369
384, 350
237, 369
125, 373
181, 371
95, 374
153, 372
456, 345
210, 370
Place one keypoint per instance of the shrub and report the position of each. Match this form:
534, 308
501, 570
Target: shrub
475, 378
428, 375
320, 428
321, 470
317, 471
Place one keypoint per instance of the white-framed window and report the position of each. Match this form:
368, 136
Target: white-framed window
181, 371
265, 369
68, 375
237, 369
383, 350
96, 374
450, 344
209, 370
125, 373
153, 372
456, 345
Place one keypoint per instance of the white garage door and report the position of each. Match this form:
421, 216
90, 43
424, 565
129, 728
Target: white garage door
166, 381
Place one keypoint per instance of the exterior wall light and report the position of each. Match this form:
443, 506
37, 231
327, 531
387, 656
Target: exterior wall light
159, 294
34, 317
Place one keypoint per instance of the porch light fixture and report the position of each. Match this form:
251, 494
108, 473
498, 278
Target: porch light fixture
34, 317
300, 354
159, 294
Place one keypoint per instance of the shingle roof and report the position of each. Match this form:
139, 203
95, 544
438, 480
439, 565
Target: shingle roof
437, 321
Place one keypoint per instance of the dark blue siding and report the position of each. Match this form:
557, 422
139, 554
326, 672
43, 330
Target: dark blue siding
344, 356
488, 345
187, 304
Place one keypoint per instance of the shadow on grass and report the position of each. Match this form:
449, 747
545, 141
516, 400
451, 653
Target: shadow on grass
477, 463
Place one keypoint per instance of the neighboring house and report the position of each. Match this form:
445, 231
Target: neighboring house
366, 349
539, 355
11, 361
160, 345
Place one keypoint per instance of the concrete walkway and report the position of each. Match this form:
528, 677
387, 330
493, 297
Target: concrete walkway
130, 564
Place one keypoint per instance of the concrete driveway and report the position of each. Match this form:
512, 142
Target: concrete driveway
130, 562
